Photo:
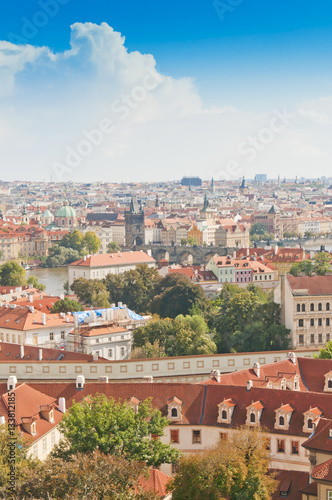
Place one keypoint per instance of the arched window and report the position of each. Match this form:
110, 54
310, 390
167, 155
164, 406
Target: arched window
309, 423
320, 306
329, 384
281, 421
312, 307
298, 308
303, 307
174, 413
224, 415
252, 418
327, 306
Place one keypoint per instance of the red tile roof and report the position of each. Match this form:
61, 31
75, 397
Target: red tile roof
114, 259
292, 482
323, 471
316, 285
156, 481
321, 440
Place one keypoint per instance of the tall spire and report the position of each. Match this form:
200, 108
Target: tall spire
206, 202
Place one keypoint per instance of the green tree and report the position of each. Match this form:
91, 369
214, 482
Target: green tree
236, 468
258, 229
100, 299
176, 294
113, 247
90, 291
74, 240
91, 242
66, 305
12, 274
83, 476
326, 352
305, 266
115, 428
322, 263
61, 256
136, 287
33, 280
182, 336
192, 241
183, 241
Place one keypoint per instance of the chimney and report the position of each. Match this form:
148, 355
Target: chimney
257, 369
62, 405
84, 258
112, 305
292, 357
40, 354
119, 304
149, 252
216, 375
22, 351
248, 252
11, 383
44, 318
249, 385
80, 380
95, 356
31, 309
30, 298
62, 296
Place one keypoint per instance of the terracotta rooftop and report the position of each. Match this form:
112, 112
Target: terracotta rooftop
156, 481
316, 285
323, 471
291, 483
114, 259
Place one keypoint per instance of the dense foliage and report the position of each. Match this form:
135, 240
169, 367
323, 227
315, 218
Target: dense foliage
236, 469
183, 336
320, 265
66, 305
115, 428
247, 319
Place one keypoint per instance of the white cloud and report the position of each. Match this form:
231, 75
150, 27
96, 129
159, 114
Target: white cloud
161, 128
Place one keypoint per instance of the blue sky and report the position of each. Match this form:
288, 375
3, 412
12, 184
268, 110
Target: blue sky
262, 55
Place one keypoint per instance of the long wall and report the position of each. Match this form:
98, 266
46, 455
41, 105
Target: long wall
177, 369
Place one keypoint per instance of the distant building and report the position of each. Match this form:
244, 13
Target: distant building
65, 217
191, 181
99, 265
134, 224
260, 178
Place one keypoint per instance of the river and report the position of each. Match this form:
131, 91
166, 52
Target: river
53, 277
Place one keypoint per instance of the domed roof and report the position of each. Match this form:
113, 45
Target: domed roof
47, 213
65, 211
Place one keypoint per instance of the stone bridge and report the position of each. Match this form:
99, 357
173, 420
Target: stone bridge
179, 254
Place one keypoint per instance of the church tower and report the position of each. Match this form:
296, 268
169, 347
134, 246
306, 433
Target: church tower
134, 224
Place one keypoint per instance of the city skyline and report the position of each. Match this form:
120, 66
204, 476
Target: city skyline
147, 92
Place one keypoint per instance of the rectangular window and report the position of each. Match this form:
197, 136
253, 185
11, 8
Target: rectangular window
51, 336
312, 322
300, 323
122, 351
35, 451
196, 436
174, 436
44, 445
110, 353
320, 321
281, 445
53, 438
320, 338
62, 335
329, 495
327, 321
312, 338
301, 339
295, 447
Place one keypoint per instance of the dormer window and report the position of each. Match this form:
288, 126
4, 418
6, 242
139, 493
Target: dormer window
29, 425
174, 409
254, 413
311, 418
225, 411
134, 403
47, 412
283, 417
281, 421
328, 382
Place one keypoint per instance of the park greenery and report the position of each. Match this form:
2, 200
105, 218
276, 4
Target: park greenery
319, 265
235, 468
326, 352
258, 232
66, 305
72, 247
184, 321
